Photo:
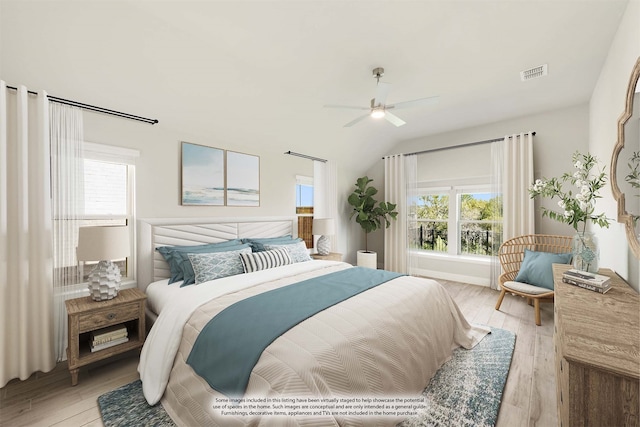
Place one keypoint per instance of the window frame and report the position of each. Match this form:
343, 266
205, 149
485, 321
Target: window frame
124, 156
471, 189
437, 191
454, 220
307, 222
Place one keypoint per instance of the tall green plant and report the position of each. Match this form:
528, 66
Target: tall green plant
370, 214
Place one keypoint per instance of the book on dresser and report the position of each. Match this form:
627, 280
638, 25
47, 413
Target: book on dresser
591, 281
109, 335
107, 344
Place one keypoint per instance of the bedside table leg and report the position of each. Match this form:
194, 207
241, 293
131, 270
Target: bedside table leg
74, 376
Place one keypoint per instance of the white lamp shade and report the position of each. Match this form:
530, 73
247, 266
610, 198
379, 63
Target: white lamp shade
324, 227
102, 243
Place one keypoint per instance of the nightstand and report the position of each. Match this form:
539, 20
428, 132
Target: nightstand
333, 256
85, 315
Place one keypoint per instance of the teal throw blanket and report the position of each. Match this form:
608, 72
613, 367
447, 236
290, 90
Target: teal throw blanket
229, 346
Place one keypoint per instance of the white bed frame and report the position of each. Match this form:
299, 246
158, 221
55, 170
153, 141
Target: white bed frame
156, 232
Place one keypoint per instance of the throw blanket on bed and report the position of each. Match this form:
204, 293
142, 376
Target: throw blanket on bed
231, 343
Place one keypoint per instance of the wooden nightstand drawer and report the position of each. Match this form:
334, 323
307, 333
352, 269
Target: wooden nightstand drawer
107, 317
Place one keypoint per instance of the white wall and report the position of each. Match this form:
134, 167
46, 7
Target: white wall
559, 134
158, 190
606, 105
158, 174
44, 46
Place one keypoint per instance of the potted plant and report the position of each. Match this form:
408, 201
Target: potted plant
371, 215
577, 209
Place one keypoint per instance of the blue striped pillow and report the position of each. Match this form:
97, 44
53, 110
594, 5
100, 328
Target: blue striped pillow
256, 261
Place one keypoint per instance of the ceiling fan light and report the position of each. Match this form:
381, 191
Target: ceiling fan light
377, 113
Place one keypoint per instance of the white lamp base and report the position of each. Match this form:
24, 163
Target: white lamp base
323, 245
104, 281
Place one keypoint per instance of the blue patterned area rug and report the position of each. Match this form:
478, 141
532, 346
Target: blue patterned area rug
126, 406
466, 391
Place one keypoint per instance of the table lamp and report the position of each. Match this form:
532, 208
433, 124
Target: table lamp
103, 244
324, 227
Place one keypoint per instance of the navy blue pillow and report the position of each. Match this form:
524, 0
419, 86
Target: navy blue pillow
169, 254
536, 267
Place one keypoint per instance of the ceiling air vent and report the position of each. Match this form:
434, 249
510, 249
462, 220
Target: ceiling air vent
532, 73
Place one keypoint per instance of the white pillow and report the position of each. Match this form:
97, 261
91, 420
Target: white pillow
298, 251
256, 261
210, 266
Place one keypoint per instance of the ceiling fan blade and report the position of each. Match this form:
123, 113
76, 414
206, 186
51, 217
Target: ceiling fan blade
416, 102
382, 91
350, 107
359, 119
394, 119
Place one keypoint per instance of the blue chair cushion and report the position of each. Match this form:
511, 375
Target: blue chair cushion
536, 267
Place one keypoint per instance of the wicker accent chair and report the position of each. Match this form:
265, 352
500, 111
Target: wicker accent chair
511, 254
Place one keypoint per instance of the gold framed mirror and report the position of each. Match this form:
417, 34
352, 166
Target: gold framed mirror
625, 163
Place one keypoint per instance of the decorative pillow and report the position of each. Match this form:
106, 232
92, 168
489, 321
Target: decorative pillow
211, 266
189, 276
536, 267
298, 251
169, 254
257, 244
263, 260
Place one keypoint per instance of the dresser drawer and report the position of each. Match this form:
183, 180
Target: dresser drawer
107, 317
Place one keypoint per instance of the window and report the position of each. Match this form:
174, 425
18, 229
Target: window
480, 222
433, 221
458, 221
106, 202
304, 208
106, 198
105, 188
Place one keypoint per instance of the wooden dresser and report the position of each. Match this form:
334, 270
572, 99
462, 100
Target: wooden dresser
597, 345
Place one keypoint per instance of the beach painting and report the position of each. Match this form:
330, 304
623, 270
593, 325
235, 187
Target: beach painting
243, 179
202, 175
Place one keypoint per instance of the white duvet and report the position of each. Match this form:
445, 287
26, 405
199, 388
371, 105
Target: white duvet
161, 345
387, 341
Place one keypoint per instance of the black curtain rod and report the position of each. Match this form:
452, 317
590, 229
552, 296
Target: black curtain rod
93, 108
305, 156
468, 144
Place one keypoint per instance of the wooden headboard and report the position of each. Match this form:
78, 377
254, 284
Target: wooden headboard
196, 231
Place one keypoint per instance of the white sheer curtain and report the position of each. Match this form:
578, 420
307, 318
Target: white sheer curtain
66, 133
411, 177
400, 173
512, 174
325, 195
26, 236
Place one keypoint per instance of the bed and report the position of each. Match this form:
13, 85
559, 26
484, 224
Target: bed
387, 340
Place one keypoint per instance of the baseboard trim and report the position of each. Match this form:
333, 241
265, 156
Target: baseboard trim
474, 280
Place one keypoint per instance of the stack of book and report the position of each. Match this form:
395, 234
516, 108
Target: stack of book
593, 282
108, 337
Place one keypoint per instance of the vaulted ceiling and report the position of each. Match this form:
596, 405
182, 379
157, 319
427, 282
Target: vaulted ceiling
260, 72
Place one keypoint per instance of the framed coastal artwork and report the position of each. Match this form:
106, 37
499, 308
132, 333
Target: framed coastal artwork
243, 179
202, 175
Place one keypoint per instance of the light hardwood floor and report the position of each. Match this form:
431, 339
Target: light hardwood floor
528, 400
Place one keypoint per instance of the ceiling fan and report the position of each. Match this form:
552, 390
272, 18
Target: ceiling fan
379, 109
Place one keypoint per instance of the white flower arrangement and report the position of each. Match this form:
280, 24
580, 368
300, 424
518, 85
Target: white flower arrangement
577, 208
